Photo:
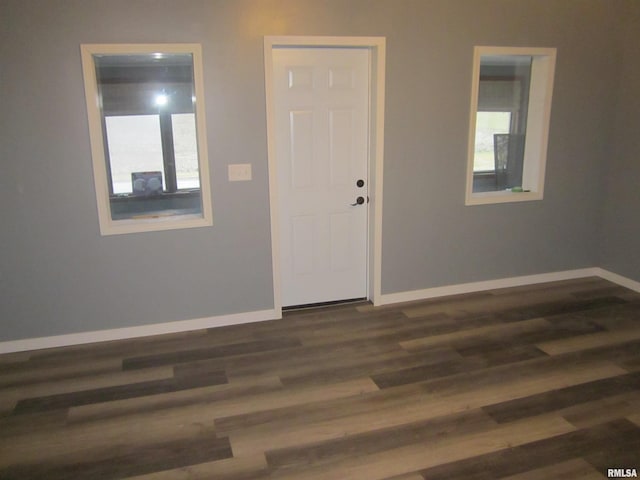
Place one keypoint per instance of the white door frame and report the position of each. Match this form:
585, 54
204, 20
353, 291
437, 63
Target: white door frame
376, 46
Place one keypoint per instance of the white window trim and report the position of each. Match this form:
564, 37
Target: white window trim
537, 134
108, 226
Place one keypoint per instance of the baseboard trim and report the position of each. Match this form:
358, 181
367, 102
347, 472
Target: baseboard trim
435, 292
619, 279
273, 314
13, 346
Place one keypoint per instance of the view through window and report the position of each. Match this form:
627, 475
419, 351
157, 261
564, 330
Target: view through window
147, 152
487, 125
511, 101
135, 145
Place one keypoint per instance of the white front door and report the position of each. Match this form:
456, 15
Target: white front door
322, 123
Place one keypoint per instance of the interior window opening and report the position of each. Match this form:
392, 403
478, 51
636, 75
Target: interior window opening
511, 101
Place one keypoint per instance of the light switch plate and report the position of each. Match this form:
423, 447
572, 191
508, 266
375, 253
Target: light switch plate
239, 172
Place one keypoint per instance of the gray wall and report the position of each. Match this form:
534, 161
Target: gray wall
58, 275
621, 225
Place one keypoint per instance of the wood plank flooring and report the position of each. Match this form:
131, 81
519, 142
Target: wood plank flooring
534, 382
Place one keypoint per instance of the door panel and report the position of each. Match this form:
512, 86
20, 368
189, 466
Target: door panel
322, 116
301, 146
340, 146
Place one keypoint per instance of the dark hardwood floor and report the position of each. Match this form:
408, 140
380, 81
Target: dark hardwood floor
536, 382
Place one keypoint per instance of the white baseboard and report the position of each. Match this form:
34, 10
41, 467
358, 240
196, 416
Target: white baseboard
133, 332
263, 315
435, 292
619, 279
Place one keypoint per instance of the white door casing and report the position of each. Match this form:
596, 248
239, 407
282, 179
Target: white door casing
322, 117
321, 139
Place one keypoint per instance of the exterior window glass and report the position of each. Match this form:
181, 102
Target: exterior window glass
134, 145
184, 141
488, 124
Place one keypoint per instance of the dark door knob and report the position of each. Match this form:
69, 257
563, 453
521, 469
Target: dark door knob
359, 201
360, 183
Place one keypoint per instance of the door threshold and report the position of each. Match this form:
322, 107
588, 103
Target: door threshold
333, 303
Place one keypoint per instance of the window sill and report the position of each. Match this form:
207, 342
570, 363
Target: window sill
126, 197
153, 223
166, 211
503, 196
